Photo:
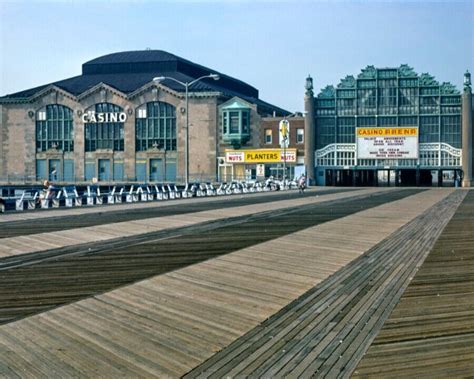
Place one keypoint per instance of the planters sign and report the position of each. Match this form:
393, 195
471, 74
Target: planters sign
92, 117
260, 156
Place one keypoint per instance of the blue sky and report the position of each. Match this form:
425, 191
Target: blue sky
270, 45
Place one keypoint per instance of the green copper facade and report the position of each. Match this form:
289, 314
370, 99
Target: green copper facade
386, 97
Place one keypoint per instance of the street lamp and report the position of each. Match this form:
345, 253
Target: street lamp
186, 85
285, 131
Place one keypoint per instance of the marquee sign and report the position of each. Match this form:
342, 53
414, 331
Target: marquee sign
261, 156
387, 143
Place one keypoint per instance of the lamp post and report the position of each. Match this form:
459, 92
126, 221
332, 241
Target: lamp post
285, 133
186, 85
284, 130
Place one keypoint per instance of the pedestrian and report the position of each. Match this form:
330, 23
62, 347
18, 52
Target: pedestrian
302, 184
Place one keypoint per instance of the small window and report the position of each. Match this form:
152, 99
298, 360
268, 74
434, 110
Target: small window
245, 122
268, 136
299, 135
41, 116
141, 113
234, 122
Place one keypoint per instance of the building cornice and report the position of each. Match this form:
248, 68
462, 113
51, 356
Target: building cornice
97, 88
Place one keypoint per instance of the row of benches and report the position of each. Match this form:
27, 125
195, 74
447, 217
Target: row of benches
69, 196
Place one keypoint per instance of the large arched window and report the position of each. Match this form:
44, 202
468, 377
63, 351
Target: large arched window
107, 134
54, 128
156, 126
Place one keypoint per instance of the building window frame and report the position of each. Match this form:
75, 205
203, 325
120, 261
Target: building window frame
55, 128
236, 122
104, 135
156, 128
268, 136
300, 135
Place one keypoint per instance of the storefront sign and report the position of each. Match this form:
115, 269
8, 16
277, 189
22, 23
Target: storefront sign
260, 170
234, 157
92, 117
261, 156
387, 143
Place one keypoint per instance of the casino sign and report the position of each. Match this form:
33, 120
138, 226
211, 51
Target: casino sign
387, 143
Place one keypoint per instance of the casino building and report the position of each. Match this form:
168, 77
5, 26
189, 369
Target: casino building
390, 126
114, 122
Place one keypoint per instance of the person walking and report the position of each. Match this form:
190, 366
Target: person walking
302, 184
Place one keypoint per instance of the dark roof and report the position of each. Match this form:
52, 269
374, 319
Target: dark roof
130, 70
134, 57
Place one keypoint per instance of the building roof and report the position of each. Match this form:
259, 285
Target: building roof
371, 73
131, 70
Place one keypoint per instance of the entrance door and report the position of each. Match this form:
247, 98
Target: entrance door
41, 169
104, 170
156, 170
54, 166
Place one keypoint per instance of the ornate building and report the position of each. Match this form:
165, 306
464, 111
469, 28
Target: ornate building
124, 119
387, 126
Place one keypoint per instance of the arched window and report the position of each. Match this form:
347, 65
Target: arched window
104, 129
156, 126
54, 128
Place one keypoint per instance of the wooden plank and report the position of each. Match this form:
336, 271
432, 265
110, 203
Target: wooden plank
228, 305
319, 333
431, 331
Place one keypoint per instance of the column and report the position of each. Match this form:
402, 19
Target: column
467, 132
309, 131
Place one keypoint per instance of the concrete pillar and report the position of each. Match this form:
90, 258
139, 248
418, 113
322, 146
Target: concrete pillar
309, 131
467, 131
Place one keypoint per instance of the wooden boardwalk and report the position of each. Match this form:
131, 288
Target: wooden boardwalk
326, 331
171, 323
33, 283
33, 243
138, 206
430, 333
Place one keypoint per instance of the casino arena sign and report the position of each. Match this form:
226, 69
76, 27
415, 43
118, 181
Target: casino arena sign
260, 156
387, 143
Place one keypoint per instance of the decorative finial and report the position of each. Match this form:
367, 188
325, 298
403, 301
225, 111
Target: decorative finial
309, 85
467, 81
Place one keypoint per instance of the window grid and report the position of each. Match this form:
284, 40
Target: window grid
387, 96
158, 128
345, 158
451, 130
55, 129
236, 122
325, 131
105, 135
326, 160
345, 130
429, 129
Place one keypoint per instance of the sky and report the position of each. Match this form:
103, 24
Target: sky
271, 45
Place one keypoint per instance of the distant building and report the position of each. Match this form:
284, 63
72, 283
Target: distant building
390, 126
114, 123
